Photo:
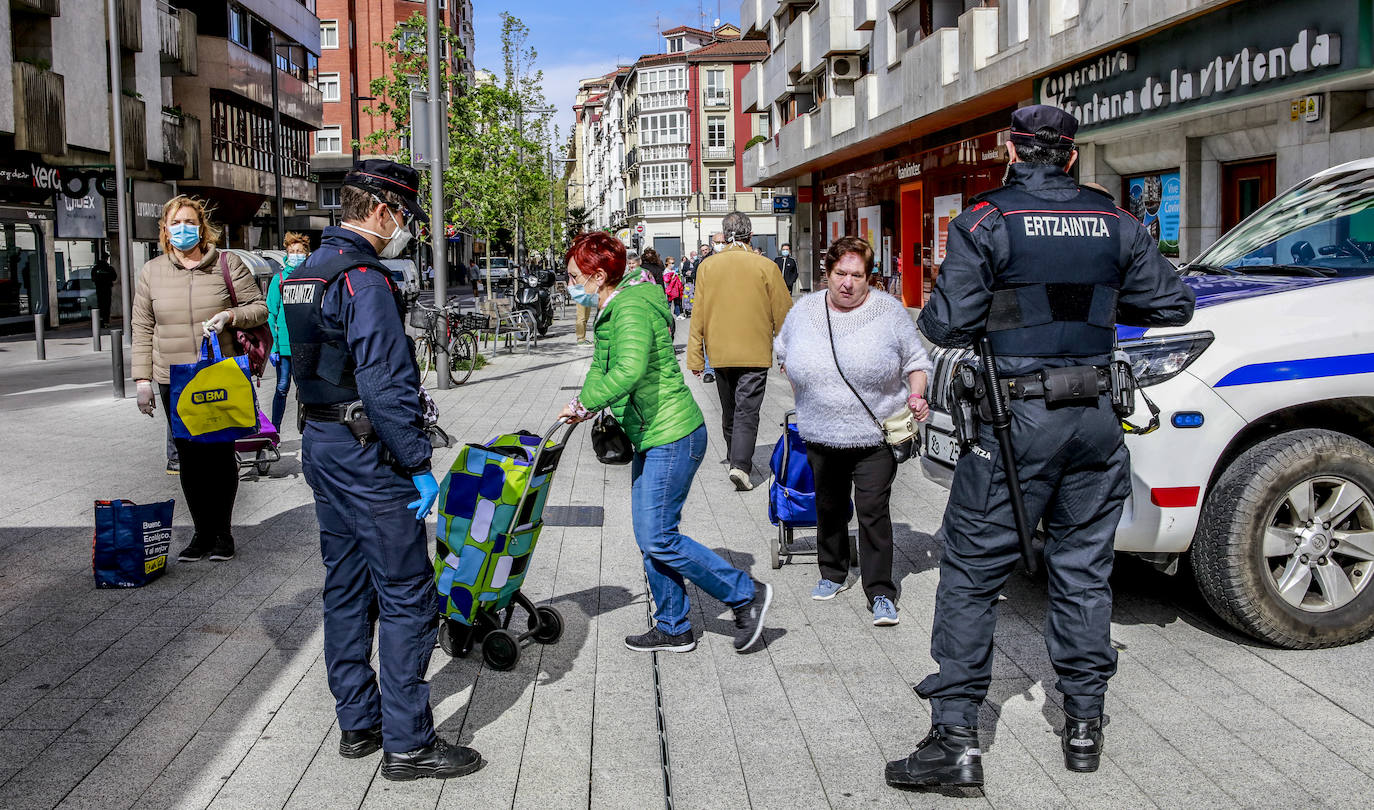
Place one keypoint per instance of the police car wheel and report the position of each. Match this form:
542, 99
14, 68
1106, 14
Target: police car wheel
1285, 545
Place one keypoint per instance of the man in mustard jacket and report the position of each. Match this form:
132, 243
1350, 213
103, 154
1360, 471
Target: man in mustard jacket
741, 302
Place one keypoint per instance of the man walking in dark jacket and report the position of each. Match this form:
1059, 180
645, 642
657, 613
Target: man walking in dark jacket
788, 266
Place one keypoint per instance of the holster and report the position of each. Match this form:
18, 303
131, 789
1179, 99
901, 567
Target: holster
1123, 385
968, 392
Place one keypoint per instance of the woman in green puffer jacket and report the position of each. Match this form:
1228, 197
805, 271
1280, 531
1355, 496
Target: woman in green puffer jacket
635, 374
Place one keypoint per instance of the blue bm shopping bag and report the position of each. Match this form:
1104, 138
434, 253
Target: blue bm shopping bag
213, 398
131, 543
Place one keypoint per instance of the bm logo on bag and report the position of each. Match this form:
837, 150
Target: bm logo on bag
207, 397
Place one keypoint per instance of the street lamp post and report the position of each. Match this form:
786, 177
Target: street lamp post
438, 146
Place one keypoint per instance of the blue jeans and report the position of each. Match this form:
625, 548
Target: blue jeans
660, 478
283, 388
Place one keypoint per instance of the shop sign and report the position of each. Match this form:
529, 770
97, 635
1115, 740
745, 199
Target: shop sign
23, 213
834, 226
147, 209
946, 208
784, 204
31, 175
1242, 49
908, 170
870, 223
1307, 108
1157, 201
80, 217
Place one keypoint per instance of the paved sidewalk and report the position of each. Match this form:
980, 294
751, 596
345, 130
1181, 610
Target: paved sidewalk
207, 688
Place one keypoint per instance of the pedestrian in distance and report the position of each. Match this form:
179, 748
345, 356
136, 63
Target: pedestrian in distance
673, 287
852, 335
787, 266
181, 298
649, 260
297, 250
635, 374
1047, 304
103, 276
739, 309
366, 457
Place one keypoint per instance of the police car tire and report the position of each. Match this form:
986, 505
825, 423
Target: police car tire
1227, 557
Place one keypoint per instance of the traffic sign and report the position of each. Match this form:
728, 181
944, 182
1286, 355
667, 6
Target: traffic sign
639, 228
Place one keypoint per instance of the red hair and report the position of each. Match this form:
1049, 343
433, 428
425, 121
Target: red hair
599, 251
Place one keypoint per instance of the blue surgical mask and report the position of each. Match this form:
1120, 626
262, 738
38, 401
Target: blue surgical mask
579, 295
184, 235
786, 252
293, 260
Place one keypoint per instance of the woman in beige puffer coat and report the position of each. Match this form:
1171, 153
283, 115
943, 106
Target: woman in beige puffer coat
181, 298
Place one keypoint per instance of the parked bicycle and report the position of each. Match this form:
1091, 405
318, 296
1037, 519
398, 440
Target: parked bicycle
460, 339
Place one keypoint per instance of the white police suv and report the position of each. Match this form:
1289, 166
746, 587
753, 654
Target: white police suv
1262, 471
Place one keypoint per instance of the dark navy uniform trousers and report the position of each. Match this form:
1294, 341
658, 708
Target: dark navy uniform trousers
1075, 474
378, 574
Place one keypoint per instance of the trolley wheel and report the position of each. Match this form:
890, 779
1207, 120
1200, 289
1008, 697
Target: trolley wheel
779, 546
263, 462
500, 649
546, 625
448, 637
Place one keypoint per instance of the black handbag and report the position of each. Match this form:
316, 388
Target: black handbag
609, 440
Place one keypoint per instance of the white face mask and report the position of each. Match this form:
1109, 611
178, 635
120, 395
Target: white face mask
395, 243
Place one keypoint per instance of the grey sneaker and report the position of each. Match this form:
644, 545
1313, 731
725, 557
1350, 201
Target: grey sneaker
749, 617
741, 479
825, 589
656, 639
884, 612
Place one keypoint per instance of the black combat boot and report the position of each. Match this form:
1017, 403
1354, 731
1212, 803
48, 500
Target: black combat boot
948, 757
1082, 743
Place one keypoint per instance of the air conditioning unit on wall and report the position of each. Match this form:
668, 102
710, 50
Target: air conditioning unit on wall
844, 68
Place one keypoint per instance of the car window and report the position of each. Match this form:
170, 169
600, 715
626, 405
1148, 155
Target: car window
1322, 226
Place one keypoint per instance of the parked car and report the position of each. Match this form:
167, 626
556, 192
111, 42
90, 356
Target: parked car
500, 270
1262, 472
76, 297
405, 274
263, 268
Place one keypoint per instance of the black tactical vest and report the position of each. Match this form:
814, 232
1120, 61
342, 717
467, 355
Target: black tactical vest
321, 363
1057, 295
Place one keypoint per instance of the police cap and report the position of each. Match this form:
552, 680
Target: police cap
378, 175
1027, 121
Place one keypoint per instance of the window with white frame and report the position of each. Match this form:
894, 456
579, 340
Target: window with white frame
661, 80
663, 128
663, 180
328, 141
329, 33
715, 130
329, 86
716, 185
330, 197
715, 84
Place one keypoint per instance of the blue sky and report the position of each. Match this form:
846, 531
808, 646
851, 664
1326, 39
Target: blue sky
576, 39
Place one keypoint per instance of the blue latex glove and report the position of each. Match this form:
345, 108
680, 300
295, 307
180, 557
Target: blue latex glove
274, 359
429, 493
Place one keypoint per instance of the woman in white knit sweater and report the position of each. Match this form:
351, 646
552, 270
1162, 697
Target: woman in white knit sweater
880, 353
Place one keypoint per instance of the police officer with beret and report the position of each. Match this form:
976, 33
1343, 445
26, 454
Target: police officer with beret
1044, 269
367, 458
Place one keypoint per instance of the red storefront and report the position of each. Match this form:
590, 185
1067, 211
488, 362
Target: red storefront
903, 206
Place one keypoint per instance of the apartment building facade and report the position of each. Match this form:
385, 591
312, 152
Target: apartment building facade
662, 141
192, 108
886, 116
351, 57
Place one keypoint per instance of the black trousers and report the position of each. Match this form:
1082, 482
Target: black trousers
1075, 474
209, 479
867, 473
741, 396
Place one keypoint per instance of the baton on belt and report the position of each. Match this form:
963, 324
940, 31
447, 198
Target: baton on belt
1001, 425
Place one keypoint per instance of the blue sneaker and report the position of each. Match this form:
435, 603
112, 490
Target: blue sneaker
884, 612
825, 589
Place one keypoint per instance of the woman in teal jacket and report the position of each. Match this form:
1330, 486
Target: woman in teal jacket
297, 249
635, 374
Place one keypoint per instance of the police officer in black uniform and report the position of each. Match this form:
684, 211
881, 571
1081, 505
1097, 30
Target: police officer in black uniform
366, 456
1045, 269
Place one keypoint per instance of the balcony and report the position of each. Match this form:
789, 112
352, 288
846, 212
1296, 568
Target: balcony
130, 25
176, 35
181, 143
225, 66
648, 102
719, 152
718, 206
40, 121
658, 207
51, 8
631, 161
717, 97
659, 152
134, 120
